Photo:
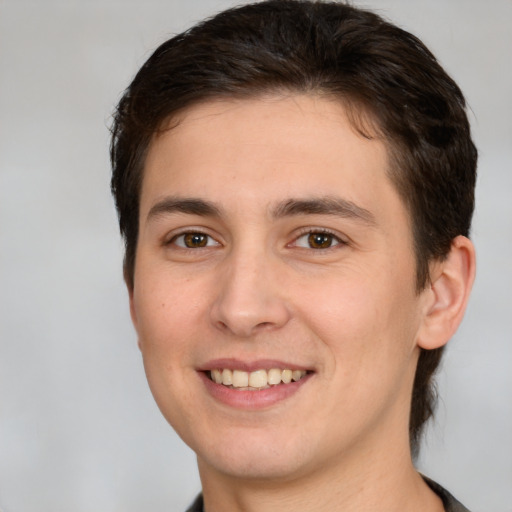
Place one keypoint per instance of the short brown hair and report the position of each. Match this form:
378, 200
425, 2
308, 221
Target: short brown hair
373, 67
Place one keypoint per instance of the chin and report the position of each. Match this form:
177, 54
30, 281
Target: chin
270, 467
255, 456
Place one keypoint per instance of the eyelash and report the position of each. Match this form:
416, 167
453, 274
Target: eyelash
173, 240
336, 240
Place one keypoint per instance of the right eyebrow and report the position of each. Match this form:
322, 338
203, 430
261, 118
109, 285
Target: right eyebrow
187, 205
328, 205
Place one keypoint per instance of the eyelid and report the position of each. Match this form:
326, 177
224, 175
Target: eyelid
171, 238
342, 241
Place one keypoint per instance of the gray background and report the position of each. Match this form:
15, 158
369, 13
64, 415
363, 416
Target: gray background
78, 428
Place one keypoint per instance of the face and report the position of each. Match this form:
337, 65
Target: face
274, 294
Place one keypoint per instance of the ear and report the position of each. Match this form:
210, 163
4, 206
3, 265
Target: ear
133, 312
448, 294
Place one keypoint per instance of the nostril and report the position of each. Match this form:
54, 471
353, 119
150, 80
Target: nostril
222, 325
263, 325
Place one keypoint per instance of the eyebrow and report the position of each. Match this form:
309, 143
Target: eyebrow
324, 206
190, 206
328, 205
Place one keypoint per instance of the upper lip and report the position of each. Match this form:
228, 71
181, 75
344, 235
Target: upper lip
251, 366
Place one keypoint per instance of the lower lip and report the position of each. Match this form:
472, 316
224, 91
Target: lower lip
252, 400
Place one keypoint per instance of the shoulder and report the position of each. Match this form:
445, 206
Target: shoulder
449, 502
197, 506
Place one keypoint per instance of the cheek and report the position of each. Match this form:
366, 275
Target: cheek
364, 319
167, 310
166, 321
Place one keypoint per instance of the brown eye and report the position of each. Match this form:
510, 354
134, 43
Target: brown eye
194, 240
320, 240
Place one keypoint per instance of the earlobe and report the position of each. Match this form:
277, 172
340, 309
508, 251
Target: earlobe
451, 282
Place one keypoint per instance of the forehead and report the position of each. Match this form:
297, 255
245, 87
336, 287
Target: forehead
273, 146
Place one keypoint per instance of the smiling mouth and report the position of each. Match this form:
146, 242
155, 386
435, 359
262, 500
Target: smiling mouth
257, 380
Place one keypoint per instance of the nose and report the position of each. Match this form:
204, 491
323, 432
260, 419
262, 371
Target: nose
249, 297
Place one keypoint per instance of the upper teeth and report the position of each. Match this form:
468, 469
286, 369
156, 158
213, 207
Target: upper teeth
257, 379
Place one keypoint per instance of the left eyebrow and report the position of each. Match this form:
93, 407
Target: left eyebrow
329, 205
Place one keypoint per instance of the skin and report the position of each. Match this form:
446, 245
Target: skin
348, 312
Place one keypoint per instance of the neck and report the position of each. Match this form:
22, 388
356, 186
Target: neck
374, 483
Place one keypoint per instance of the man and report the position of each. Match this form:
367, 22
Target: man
295, 185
